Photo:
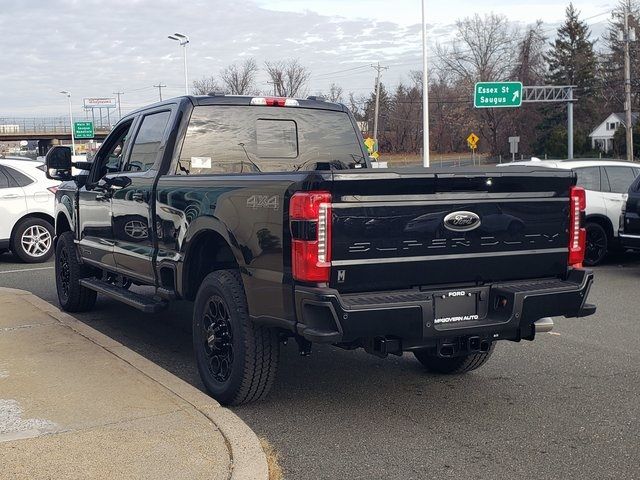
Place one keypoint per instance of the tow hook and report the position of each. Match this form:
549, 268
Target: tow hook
543, 325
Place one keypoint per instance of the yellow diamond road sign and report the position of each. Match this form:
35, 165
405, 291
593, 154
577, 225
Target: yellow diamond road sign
472, 140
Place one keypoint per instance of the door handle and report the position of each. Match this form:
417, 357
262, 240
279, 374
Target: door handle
138, 196
10, 195
100, 197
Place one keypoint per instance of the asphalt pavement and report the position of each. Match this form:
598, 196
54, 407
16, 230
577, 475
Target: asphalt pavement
564, 406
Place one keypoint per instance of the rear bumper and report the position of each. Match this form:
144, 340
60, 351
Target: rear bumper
505, 311
630, 241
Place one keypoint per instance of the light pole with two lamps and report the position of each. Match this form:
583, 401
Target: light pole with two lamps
184, 41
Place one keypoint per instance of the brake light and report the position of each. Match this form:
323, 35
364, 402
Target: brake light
310, 223
275, 102
52, 189
577, 234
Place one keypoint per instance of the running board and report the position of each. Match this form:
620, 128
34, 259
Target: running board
141, 302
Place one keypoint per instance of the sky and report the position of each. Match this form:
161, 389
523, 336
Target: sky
93, 48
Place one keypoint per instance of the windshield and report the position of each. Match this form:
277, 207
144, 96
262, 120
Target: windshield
232, 139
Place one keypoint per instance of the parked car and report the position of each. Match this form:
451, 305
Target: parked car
606, 183
266, 213
629, 231
26, 210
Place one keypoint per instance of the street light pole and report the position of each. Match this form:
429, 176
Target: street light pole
425, 94
73, 140
184, 41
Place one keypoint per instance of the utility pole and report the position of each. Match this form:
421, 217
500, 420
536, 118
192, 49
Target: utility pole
160, 87
629, 35
379, 69
119, 109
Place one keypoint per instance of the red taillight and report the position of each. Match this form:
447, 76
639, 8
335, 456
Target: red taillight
310, 222
577, 234
52, 189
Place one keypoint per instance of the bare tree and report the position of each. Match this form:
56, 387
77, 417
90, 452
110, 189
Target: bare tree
206, 85
335, 93
289, 78
485, 49
240, 79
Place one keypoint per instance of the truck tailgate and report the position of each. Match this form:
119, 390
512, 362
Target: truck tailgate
402, 229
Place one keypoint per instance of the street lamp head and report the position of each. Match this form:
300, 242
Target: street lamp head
64, 92
183, 39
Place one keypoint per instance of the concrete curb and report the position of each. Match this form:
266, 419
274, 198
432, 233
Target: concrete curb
248, 460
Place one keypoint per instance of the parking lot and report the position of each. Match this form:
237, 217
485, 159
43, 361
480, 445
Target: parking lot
564, 406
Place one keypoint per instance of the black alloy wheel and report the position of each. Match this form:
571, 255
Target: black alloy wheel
64, 275
218, 336
597, 244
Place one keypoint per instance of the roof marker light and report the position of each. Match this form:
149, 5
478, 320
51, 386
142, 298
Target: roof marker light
275, 102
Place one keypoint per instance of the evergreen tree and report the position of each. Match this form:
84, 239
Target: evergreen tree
572, 61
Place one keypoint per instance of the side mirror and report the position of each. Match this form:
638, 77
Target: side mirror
58, 162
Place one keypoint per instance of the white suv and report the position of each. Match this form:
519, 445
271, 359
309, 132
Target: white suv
606, 183
26, 210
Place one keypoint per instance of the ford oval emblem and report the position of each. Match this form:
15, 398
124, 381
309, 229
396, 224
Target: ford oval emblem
461, 221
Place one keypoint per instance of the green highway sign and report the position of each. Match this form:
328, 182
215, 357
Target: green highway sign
497, 94
83, 130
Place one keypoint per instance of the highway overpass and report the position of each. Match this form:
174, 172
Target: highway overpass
46, 130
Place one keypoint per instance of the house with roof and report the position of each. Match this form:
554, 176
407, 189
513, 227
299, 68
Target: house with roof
602, 135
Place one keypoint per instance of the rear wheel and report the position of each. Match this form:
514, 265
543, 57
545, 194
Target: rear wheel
597, 244
237, 360
32, 240
453, 365
72, 296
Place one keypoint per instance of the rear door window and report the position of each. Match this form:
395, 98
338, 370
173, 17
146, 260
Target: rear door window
242, 139
4, 180
620, 178
589, 178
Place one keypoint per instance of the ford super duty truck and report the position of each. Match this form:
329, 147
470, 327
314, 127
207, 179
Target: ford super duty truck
266, 213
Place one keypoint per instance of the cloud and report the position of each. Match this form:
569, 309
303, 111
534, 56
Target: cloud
96, 47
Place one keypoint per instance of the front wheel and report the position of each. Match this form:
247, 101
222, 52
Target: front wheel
72, 296
453, 365
597, 244
237, 360
32, 240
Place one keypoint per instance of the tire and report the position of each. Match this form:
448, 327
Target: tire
454, 365
32, 240
597, 244
237, 360
72, 296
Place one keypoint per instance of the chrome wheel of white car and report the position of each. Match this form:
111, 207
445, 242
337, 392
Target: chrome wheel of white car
36, 241
32, 240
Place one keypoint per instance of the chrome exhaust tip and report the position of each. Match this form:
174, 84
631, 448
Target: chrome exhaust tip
544, 325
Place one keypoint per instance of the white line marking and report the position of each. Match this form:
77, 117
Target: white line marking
26, 270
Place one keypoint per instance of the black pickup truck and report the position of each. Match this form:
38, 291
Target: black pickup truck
267, 214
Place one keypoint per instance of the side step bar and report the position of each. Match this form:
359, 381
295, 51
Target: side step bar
141, 302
